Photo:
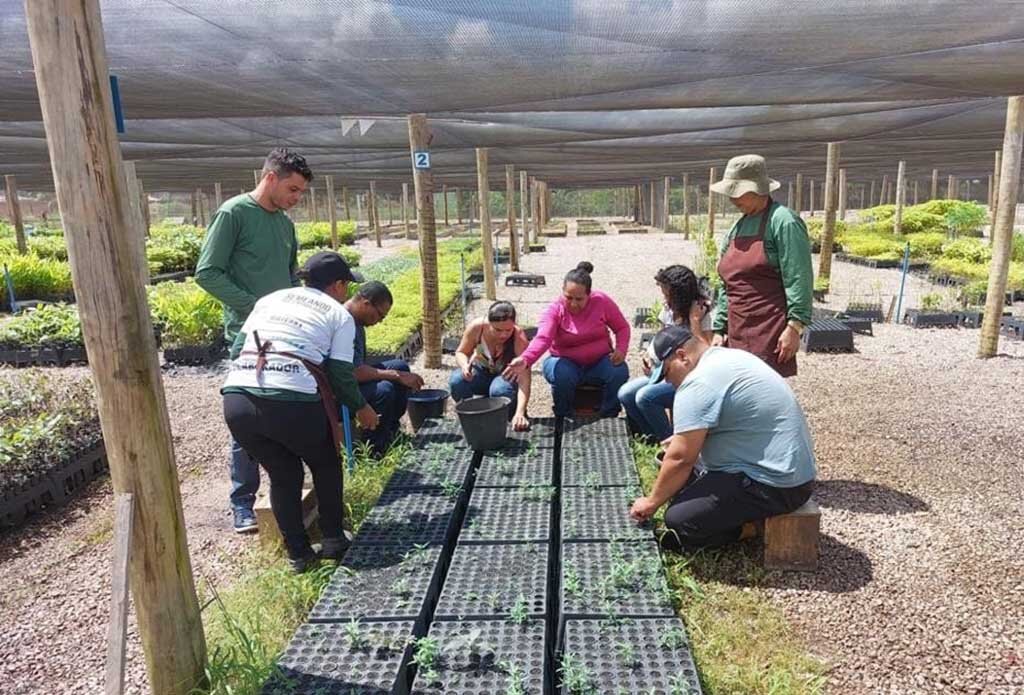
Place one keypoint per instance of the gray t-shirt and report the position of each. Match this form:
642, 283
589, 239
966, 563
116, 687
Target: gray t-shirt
755, 425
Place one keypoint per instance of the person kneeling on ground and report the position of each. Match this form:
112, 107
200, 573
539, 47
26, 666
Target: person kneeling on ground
292, 359
385, 385
488, 346
743, 421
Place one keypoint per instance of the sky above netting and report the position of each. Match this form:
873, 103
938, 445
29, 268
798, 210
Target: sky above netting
590, 92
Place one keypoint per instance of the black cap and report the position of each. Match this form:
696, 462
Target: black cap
668, 340
327, 267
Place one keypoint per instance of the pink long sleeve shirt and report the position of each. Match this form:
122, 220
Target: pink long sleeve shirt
582, 338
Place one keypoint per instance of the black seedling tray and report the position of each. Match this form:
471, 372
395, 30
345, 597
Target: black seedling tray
198, 355
487, 580
872, 312
503, 515
1012, 328
433, 465
608, 462
632, 230
525, 280
631, 656
541, 248
475, 656
321, 659
857, 325
516, 464
931, 319
380, 583
55, 487
578, 428
626, 579
641, 316
59, 357
827, 335
600, 514
541, 433
410, 516
439, 431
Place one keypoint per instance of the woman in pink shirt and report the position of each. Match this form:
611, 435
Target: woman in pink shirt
575, 328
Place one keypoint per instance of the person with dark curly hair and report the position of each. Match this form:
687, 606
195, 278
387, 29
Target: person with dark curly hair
646, 399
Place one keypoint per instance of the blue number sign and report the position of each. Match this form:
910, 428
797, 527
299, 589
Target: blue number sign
421, 160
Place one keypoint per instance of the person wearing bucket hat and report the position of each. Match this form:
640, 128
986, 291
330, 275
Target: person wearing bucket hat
740, 418
765, 267
292, 364
647, 402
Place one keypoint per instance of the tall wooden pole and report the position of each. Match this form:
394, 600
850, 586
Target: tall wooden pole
884, 198
423, 183
711, 204
543, 197
138, 220
666, 208
901, 196
218, 196
374, 211
524, 206
871, 199
842, 194
1002, 226
995, 183
484, 190
332, 214
444, 197
345, 203
14, 211
915, 192
535, 208
405, 210
73, 83
144, 206
811, 191
828, 233
686, 207
257, 174
789, 196
510, 209
315, 214
195, 209
799, 209
458, 205
935, 184
951, 188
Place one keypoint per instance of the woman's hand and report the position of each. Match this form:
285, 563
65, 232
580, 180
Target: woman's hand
467, 372
643, 509
789, 343
718, 340
515, 369
648, 367
520, 423
367, 417
617, 358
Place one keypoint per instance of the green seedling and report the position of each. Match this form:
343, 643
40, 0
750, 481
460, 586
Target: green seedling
516, 683
354, 635
427, 657
627, 654
576, 677
518, 614
572, 582
592, 481
494, 601
451, 488
679, 686
416, 558
401, 587
537, 493
673, 638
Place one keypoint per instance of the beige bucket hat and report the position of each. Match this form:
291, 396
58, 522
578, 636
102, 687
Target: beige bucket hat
746, 173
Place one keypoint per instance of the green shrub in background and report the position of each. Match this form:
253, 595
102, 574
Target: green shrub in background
927, 245
879, 213
969, 250
188, 316
311, 234
48, 326
872, 245
36, 278
816, 227
1017, 248
6, 230
965, 218
52, 247
351, 256
173, 248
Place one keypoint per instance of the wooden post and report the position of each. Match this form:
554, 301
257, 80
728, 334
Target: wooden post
842, 194
332, 215
423, 183
444, 197
345, 203
458, 205
138, 222
915, 191
117, 628
535, 208
711, 204
885, 190
524, 206
901, 195
484, 190
144, 204
935, 184
195, 210
510, 209
14, 211
374, 211
315, 214
828, 233
1002, 225
686, 207
218, 196
951, 188
799, 209
405, 210
871, 200
257, 174
72, 79
359, 212
544, 202
995, 184
789, 196
811, 187
666, 207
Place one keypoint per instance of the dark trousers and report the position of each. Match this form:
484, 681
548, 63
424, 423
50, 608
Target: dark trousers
281, 435
388, 399
712, 507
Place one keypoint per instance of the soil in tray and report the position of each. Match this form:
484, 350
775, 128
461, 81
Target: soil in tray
519, 464
495, 581
343, 659
433, 465
380, 582
628, 656
484, 657
409, 516
497, 515
600, 514
621, 579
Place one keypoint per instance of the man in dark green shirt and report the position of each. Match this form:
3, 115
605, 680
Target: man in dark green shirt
250, 250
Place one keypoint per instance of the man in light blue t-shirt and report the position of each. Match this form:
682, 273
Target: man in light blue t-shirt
740, 419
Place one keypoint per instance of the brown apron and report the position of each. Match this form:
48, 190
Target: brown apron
757, 298
323, 385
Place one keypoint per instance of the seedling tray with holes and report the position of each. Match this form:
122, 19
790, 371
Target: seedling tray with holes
931, 319
402, 516
872, 312
516, 464
631, 656
827, 335
487, 581
632, 230
641, 316
621, 578
380, 583
611, 464
600, 514
857, 325
504, 515
55, 487
541, 433
484, 657
322, 659
525, 280
199, 355
439, 431
433, 465
1012, 328
577, 428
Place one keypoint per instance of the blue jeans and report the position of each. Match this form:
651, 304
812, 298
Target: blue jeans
245, 478
564, 375
645, 404
388, 399
483, 383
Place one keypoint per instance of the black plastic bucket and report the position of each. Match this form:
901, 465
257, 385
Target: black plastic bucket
426, 403
484, 421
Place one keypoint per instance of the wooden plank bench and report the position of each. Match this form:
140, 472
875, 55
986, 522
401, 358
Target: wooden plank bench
270, 534
790, 540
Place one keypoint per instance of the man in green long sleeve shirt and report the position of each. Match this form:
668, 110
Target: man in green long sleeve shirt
250, 250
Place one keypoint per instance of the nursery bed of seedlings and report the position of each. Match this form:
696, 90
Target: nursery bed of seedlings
505, 583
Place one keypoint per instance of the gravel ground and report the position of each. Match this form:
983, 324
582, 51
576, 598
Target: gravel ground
919, 590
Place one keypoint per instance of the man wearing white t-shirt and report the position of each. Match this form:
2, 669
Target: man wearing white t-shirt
292, 359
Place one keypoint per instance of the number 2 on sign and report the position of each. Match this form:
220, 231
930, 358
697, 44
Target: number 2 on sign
421, 160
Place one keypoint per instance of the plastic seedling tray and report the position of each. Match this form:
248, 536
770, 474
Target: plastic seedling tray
827, 335
541, 433
525, 280
505, 515
582, 427
380, 583
518, 463
641, 315
618, 579
872, 312
494, 581
857, 325
485, 657
607, 462
439, 431
632, 230
433, 465
344, 659
409, 516
600, 514
628, 656
931, 319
